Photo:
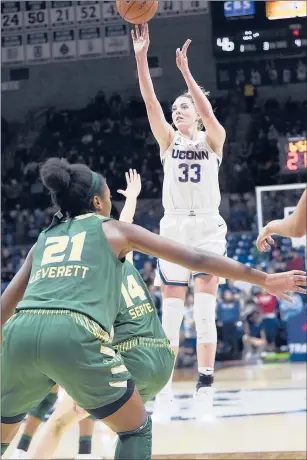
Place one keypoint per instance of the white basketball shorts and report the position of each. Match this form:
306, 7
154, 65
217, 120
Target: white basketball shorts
204, 230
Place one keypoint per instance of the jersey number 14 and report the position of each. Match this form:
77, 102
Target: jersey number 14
134, 290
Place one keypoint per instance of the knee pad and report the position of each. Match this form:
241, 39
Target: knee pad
144, 430
136, 443
204, 317
44, 406
172, 315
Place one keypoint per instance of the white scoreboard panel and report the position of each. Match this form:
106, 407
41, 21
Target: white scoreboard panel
116, 39
38, 49
12, 49
64, 46
89, 42
36, 32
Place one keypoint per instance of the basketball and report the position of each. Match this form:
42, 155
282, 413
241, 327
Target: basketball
137, 12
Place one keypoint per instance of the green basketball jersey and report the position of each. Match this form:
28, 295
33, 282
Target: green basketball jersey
138, 316
74, 268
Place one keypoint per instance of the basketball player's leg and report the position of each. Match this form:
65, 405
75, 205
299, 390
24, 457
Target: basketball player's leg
174, 279
211, 236
150, 368
129, 420
95, 376
66, 415
23, 385
86, 428
35, 418
174, 284
205, 291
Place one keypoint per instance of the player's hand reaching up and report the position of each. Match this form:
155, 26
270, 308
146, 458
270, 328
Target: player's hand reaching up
292, 281
181, 57
133, 185
140, 38
264, 240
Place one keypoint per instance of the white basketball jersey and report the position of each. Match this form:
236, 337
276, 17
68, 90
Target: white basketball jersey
190, 175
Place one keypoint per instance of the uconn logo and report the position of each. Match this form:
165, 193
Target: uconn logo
190, 155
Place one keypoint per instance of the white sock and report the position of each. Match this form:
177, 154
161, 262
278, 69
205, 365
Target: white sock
206, 370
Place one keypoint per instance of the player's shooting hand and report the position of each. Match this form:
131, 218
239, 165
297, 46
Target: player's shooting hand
140, 38
264, 240
134, 185
292, 281
181, 57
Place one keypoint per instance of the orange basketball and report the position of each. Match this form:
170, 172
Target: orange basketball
137, 12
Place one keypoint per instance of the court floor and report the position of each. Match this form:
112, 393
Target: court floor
259, 412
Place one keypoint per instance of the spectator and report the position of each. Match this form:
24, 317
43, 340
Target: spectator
295, 261
228, 315
147, 273
254, 336
156, 297
267, 305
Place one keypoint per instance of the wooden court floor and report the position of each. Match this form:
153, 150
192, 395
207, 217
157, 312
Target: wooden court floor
259, 413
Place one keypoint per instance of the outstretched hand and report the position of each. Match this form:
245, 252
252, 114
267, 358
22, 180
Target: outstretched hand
181, 56
134, 184
264, 240
291, 281
140, 38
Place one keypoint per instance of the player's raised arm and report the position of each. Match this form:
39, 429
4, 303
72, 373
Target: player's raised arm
215, 132
131, 193
162, 130
293, 226
16, 289
125, 238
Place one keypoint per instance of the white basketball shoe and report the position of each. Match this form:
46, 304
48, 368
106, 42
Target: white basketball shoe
203, 404
19, 453
165, 407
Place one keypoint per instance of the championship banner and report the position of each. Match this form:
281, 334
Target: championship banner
89, 42
64, 46
109, 11
11, 16
88, 11
116, 40
62, 13
38, 48
36, 14
12, 49
195, 7
169, 8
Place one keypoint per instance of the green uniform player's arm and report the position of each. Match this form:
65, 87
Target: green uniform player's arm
16, 289
125, 238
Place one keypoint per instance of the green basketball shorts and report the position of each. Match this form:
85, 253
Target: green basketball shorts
150, 363
44, 347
